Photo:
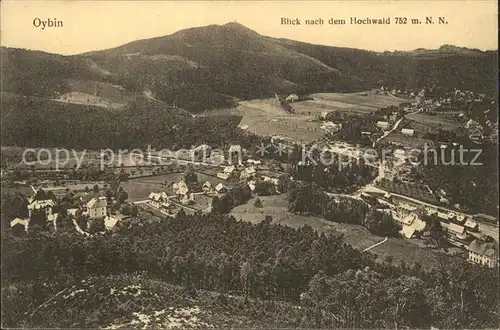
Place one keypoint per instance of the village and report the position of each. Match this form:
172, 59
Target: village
96, 211
218, 171
195, 180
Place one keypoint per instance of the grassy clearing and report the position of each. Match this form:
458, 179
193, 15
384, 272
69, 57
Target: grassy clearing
140, 188
265, 116
406, 141
316, 107
370, 99
13, 189
276, 206
409, 251
425, 122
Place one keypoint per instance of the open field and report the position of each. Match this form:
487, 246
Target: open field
95, 93
140, 188
265, 116
73, 186
422, 122
410, 142
358, 236
355, 103
15, 188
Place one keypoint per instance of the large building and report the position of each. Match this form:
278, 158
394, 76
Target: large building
484, 254
97, 207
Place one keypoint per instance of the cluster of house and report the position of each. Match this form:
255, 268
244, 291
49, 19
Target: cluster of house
447, 105
245, 171
93, 207
400, 93
456, 224
183, 196
162, 202
461, 230
331, 126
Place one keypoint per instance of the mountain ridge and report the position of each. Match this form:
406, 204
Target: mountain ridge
213, 66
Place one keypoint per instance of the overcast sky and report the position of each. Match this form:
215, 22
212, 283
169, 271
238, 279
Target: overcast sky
94, 25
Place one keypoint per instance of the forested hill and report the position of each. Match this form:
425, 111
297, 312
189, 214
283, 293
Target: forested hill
212, 66
29, 121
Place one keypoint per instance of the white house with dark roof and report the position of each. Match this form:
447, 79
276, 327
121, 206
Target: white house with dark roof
254, 161
154, 199
472, 124
182, 192
180, 188
97, 207
483, 253
460, 218
251, 184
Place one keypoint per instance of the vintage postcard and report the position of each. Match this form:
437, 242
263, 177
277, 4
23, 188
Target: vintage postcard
249, 164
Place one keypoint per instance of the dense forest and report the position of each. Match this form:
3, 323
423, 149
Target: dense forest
473, 185
335, 173
265, 261
311, 199
36, 122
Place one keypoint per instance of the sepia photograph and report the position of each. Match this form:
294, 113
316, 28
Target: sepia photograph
249, 164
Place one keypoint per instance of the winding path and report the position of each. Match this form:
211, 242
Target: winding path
376, 244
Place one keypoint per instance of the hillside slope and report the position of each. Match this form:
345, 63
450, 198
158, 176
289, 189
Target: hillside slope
205, 67
137, 302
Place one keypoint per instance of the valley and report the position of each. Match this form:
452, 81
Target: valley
217, 177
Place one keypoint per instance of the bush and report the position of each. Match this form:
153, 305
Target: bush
257, 203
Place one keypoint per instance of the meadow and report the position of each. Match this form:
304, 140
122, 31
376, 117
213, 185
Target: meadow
355, 103
397, 249
265, 116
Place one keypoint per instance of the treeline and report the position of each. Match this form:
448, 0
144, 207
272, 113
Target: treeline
332, 172
407, 72
36, 122
472, 185
217, 253
237, 195
310, 199
40, 74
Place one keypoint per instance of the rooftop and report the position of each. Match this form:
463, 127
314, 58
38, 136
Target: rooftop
487, 249
97, 202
